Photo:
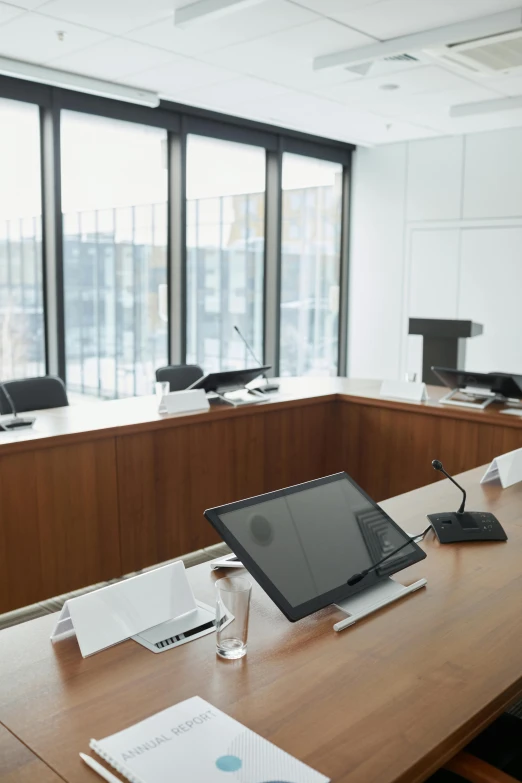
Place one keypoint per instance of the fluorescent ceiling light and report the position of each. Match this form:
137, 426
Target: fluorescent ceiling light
76, 82
486, 107
203, 10
452, 33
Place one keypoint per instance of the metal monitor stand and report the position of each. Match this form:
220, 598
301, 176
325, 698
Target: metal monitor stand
479, 406
372, 599
258, 397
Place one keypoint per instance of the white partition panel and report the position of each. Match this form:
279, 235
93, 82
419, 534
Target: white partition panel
490, 293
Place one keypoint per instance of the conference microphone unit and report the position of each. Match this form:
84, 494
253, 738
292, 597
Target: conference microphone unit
17, 422
456, 526
268, 386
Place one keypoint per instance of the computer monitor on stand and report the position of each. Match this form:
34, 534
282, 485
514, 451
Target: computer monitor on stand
222, 383
479, 389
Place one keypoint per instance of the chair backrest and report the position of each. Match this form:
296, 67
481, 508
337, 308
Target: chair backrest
31, 394
180, 376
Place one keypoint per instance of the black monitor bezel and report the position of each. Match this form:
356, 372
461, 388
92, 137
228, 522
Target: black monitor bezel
294, 613
210, 382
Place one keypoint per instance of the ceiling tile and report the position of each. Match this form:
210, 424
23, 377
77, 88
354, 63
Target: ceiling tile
440, 102
230, 94
286, 57
253, 22
113, 59
27, 4
393, 18
35, 38
335, 9
506, 85
418, 81
9, 12
181, 74
481, 122
111, 16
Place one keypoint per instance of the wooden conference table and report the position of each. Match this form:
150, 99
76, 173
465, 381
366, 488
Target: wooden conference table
97, 491
386, 701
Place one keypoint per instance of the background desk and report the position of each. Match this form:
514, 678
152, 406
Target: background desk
387, 701
98, 491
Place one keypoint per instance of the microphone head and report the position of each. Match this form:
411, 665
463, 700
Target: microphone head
235, 327
437, 464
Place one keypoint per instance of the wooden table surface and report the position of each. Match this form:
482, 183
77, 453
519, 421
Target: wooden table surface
388, 700
90, 420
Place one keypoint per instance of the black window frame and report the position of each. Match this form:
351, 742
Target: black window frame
178, 120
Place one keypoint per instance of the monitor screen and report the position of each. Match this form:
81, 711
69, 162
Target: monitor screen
228, 380
508, 386
303, 543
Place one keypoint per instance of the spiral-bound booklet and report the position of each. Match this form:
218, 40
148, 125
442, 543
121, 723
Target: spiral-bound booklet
196, 743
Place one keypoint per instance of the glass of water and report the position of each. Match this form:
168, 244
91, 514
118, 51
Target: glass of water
232, 610
162, 388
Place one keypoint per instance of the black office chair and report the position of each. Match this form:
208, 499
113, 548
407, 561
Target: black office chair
180, 376
494, 756
31, 394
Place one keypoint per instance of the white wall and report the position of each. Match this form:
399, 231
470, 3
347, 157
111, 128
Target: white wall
436, 233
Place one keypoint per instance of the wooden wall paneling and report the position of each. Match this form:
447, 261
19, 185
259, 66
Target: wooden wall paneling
301, 444
21, 580
78, 515
389, 451
19, 765
58, 521
138, 499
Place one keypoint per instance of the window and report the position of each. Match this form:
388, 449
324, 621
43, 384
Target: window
310, 258
225, 252
22, 335
114, 200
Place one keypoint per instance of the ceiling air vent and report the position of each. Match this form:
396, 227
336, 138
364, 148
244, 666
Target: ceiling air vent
494, 55
384, 65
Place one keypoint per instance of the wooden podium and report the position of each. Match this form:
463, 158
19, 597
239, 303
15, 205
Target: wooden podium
444, 344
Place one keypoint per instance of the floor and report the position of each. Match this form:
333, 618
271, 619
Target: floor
55, 604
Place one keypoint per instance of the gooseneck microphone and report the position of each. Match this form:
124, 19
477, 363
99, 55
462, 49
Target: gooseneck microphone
437, 464
356, 578
17, 421
268, 385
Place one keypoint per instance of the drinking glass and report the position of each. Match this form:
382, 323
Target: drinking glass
162, 388
232, 610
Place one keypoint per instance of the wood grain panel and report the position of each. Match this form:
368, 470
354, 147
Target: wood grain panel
167, 479
58, 521
19, 765
389, 451
387, 701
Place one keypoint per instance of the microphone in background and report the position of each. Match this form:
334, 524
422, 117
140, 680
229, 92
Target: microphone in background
17, 421
268, 386
356, 578
437, 464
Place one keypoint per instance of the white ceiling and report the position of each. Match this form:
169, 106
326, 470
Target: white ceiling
257, 62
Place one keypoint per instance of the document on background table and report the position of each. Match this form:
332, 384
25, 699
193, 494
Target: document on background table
194, 742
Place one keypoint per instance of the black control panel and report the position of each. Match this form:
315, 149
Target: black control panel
453, 527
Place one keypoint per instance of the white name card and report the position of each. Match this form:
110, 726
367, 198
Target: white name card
189, 400
404, 390
117, 612
507, 468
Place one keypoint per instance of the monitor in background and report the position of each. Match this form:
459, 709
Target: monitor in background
478, 389
221, 383
303, 543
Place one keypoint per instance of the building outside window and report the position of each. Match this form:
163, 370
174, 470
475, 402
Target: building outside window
310, 274
22, 334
